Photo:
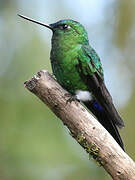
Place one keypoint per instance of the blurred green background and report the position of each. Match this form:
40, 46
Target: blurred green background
34, 145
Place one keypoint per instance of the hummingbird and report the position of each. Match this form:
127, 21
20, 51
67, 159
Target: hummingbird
78, 69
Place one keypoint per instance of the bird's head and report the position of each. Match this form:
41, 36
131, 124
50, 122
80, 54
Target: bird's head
69, 29
66, 29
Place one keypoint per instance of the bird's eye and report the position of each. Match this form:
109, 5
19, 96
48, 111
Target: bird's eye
65, 26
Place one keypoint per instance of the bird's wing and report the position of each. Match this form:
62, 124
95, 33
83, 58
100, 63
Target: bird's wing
93, 60
91, 72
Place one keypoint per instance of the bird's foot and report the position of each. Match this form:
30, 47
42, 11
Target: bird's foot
71, 98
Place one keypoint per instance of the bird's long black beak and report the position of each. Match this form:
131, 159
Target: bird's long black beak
32, 20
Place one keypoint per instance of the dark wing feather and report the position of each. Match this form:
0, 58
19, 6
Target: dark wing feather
108, 124
92, 74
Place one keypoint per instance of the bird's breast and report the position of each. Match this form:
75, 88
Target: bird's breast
64, 61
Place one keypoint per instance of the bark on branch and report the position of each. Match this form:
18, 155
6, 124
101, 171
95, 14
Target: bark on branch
87, 131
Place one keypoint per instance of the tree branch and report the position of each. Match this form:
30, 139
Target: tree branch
87, 131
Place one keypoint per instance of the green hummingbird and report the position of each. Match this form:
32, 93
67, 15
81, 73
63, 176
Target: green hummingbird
78, 69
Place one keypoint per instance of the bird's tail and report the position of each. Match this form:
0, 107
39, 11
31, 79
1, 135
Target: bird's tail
102, 117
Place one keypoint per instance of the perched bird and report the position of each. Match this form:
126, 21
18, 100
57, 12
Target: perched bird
78, 69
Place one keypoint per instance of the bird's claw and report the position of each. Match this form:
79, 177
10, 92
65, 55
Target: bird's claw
71, 98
